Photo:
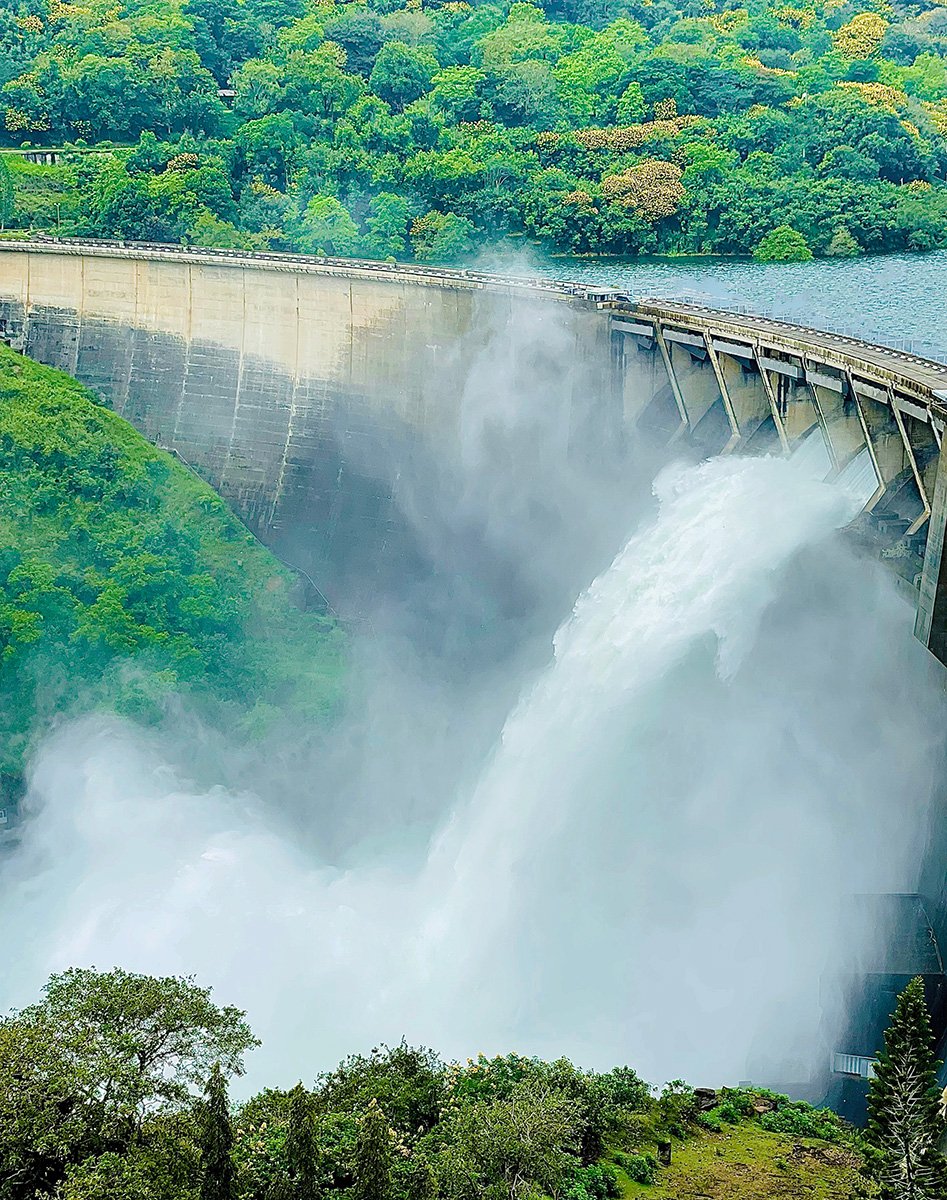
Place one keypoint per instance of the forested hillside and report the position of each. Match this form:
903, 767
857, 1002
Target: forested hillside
101, 1098
418, 128
126, 583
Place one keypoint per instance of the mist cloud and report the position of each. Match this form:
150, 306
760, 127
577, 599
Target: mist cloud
735, 731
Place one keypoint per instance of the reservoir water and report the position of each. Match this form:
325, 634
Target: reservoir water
898, 300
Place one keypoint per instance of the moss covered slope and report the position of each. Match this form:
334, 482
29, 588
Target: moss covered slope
124, 580
746, 1162
736, 1144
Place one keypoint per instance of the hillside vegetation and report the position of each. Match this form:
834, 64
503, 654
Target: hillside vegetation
425, 128
125, 581
100, 1097
748, 1163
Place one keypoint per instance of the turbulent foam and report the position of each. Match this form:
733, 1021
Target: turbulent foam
730, 736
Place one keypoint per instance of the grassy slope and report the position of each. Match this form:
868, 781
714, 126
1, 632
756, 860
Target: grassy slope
745, 1162
125, 582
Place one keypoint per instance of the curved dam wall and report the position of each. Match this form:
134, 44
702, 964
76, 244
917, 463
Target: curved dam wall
309, 394
314, 394
258, 373
340, 403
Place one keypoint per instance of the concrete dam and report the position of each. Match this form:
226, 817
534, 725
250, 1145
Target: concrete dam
313, 394
285, 382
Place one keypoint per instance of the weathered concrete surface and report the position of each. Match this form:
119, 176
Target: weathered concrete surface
304, 389
320, 401
274, 383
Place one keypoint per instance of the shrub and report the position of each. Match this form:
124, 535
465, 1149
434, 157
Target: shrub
634, 1129
735, 1105
640, 1168
783, 244
677, 1106
595, 1182
624, 1089
802, 1120
843, 245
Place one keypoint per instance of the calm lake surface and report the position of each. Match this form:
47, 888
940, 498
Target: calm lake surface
899, 300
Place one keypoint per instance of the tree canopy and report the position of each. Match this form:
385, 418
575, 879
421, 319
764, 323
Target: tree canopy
125, 581
99, 1066
114, 1087
393, 128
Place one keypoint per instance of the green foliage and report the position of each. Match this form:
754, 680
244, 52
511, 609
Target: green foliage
373, 1156
114, 1088
677, 1106
100, 1067
216, 1140
904, 1121
126, 581
385, 129
441, 237
802, 1120
421, 1180
45, 196
7, 200
301, 1147
595, 1182
640, 1168
493, 1147
328, 227
162, 1164
407, 1082
843, 245
387, 226
783, 244
402, 73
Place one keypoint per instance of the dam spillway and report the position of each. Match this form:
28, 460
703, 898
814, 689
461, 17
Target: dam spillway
285, 381
307, 390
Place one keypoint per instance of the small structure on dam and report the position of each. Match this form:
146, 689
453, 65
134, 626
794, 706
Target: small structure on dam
306, 390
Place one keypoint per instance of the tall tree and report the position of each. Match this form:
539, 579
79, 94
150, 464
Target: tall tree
302, 1148
216, 1136
373, 1156
904, 1123
402, 73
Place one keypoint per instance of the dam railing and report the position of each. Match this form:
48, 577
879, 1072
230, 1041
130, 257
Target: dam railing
277, 258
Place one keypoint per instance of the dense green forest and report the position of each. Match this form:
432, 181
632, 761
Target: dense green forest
126, 583
114, 1087
429, 129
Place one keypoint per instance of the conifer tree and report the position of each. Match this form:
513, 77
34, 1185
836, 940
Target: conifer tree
904, 1123
373, 1156
216, 1140
302, 1150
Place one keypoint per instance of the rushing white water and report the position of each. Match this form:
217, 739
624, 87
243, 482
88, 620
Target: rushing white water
729, 738
706, 566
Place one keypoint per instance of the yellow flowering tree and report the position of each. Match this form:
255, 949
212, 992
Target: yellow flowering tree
862, 36
651, 188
